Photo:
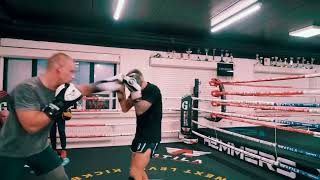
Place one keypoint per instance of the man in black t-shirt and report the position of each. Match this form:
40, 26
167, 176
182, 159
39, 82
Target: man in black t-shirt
147, 100
4, 107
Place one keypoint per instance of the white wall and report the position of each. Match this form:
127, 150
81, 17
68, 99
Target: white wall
175, 80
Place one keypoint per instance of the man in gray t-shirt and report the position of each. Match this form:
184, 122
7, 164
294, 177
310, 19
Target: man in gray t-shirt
37, 103
32, 95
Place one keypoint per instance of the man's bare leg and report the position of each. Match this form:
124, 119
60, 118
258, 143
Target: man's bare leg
139, 162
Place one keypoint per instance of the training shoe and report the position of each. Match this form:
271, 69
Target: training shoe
65, 161
63, 154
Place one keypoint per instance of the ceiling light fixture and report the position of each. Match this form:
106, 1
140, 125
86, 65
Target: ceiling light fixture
236, 17
306, 32
231, 10
119, 8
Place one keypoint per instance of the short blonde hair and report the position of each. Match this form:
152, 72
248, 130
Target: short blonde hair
136, 71
57, 58
137, 74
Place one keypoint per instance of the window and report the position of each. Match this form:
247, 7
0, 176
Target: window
82, 75
104, 100
103, 71
17, 71
42, 65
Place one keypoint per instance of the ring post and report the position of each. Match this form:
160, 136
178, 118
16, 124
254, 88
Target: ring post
195, 113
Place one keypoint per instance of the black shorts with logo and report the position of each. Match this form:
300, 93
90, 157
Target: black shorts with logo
142, 147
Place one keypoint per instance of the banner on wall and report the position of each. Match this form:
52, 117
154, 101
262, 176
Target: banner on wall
224, 69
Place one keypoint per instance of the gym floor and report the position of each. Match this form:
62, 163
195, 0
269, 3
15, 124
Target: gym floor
113, 163
198, 161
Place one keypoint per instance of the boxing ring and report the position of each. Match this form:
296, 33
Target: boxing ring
288, 147
276, 138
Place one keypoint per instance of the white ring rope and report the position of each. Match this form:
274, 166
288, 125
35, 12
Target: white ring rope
113, 135
276, 163
275, 144
237, 134
313, 133
171, 98
272, 162
110, 124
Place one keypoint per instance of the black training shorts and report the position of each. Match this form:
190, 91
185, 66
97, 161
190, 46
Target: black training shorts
142, 147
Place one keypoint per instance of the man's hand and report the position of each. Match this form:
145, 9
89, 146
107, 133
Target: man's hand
67, 115
3, 116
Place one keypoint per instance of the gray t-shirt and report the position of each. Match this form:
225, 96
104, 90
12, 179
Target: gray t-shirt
14, 140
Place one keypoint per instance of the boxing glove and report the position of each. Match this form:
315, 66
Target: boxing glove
135, 89
114, 83
66, 96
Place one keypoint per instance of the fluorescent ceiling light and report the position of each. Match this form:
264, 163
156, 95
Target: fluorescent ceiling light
231, 10
306, 32
119, 8
236, 17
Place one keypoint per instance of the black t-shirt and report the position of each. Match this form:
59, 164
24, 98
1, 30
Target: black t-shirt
149, 123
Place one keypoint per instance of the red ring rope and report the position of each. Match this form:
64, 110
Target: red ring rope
215, 83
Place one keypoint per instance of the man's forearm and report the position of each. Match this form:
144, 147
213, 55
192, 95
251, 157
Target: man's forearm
43, 121
124, 102
33, 121
141, 106
99, 86
126, 105
88, 89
